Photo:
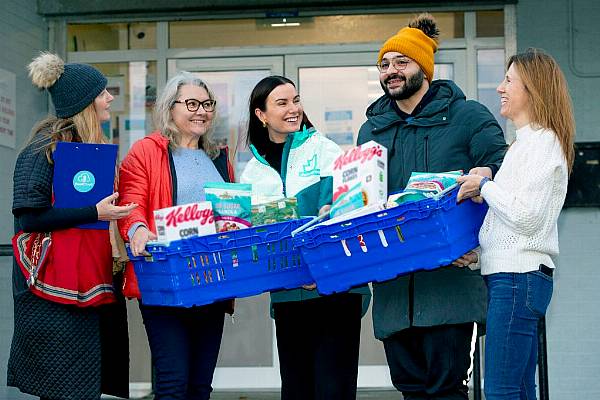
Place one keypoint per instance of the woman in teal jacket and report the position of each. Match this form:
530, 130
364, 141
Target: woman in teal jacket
318, 337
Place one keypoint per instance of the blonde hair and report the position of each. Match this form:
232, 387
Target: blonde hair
82, 127
550, 103
163, 120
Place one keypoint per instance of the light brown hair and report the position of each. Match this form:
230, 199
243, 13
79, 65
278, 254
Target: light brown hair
550, 103
82, 127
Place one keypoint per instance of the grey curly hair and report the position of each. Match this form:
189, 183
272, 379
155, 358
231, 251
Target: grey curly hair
162, 112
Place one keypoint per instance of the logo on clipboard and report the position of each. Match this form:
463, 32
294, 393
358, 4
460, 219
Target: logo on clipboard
84, 181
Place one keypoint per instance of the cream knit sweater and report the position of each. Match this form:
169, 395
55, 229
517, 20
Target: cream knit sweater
525, 198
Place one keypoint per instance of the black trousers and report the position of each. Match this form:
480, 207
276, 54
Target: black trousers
318, 342
429, 363
184, 344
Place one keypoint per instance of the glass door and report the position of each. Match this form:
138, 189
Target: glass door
232, 80
336, 91
248, 355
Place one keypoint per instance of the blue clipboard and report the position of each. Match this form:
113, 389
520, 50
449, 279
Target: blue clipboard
84, 174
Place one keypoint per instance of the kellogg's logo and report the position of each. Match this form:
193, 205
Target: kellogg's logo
357, 154
189, 213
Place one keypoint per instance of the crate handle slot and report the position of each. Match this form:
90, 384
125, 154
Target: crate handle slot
382, 238
345, 246
363, 245
399, 233
234, 259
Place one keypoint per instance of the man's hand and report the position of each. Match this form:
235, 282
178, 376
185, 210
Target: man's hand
483, 171
469, 187
467, 259
138, 242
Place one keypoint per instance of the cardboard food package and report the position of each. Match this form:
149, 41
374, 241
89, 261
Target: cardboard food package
179, 222
359, 178
231, 203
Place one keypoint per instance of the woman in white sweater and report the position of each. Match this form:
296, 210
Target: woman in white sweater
519, 236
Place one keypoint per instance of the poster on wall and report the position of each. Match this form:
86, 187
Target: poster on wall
8, 115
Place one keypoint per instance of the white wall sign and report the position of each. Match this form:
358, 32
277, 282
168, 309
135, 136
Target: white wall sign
8, 104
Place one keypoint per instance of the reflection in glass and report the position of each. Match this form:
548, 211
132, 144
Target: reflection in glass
331, 29
490, 23
119, 36
490, 72
133, 86
336, 98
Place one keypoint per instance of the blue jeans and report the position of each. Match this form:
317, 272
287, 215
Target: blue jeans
184, 343
516, 302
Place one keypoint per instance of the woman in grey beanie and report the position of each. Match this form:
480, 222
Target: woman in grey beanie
68, 342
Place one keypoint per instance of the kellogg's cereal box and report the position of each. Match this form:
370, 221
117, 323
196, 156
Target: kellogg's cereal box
359, 178
174, 223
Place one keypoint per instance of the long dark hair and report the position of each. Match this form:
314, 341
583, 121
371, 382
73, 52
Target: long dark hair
257, 134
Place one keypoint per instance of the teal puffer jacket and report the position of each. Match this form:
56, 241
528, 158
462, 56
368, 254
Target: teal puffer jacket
307, 166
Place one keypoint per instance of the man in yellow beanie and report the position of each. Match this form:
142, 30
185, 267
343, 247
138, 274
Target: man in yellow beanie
428, 321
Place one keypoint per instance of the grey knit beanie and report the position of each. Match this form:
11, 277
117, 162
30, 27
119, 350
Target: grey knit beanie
72, 86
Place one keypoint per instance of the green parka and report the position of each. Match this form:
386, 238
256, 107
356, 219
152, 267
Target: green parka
449, 133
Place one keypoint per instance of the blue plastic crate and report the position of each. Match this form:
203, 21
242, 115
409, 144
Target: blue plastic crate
380, 246
205, 269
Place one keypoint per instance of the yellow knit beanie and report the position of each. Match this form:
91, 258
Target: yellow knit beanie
412, 42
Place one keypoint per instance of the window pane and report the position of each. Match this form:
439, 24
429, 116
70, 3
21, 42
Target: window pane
338, 114
232, 91
94, 37
490, 72
133, 86
490, 23
302, 31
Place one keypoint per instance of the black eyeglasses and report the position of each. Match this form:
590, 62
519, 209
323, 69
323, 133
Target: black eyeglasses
193, 105
399, 64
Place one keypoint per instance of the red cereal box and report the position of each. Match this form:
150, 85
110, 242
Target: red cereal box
174, 223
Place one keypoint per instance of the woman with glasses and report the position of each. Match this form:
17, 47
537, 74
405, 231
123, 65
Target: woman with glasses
169, 167
317, 337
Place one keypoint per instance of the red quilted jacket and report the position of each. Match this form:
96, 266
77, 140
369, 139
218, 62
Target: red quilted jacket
145, 179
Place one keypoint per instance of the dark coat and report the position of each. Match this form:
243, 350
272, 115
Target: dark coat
61, 351
449, 133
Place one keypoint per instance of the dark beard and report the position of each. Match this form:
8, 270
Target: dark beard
411, 86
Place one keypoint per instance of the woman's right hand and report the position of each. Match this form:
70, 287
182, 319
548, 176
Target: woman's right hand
137, 244
107, 211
